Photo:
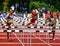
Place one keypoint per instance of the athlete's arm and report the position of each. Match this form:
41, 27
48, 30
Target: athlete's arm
15, 14
36, 11
7, 16
29, 15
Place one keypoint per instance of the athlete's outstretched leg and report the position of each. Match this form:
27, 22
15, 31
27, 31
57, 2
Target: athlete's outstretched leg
28, 23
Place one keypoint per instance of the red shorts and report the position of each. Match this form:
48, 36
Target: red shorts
47, 15
33, 20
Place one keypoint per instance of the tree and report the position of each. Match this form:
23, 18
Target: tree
5, 8
34, 5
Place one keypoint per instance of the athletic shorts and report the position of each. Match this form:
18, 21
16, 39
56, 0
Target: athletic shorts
33, 20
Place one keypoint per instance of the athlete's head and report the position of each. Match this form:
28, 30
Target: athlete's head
33, 12
11, 11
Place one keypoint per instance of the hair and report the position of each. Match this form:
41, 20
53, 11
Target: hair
51, 13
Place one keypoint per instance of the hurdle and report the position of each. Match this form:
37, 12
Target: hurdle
24, 19
3, 21
30, 32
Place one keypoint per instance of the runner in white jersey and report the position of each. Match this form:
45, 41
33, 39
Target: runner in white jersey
9, 22
10, 17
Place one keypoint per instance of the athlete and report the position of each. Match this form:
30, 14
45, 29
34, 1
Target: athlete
9, 19
33, 17
52, 23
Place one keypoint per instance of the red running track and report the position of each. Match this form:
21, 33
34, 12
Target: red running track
37, 39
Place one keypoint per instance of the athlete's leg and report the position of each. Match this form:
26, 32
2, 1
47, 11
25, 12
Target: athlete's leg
11, 24
28, 23
36, 22
8, 24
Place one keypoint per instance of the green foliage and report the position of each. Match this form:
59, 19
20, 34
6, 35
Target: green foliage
53, 4
34, 5
5, 8
53, 9
1, 7
57, 6
43, 4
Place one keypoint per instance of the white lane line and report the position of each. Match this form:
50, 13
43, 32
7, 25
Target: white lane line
26, 43
41, 40
28, 38
18, 39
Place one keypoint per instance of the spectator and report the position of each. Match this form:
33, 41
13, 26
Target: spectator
48, 10
25, 7
43, 12
21, 6
4, 14
16, 6
43, 9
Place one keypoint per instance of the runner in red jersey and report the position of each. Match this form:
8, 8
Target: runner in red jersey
33, 16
